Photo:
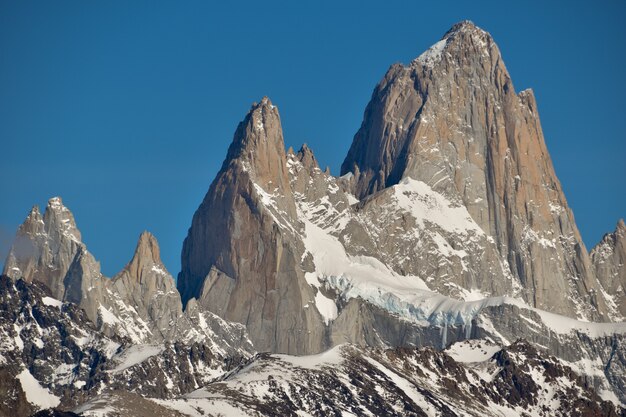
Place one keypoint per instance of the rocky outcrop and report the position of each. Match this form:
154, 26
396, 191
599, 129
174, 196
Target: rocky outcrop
49, 351
146, 285
241, 257
609, 261
452, 120
49, 250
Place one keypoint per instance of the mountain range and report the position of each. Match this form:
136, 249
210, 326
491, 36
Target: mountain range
442, 273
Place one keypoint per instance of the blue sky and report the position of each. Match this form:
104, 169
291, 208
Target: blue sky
126, 109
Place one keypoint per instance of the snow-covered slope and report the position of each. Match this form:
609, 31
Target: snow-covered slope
351, 381
52, 355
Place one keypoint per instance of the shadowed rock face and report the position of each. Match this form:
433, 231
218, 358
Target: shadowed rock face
452, 119
241, 257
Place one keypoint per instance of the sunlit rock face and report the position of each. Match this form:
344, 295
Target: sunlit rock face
453, 120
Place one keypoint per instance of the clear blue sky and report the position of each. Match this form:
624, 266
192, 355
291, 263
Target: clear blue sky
126, 109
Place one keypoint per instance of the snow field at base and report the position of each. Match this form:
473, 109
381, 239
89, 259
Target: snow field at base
99, 406
35, 393
202, 407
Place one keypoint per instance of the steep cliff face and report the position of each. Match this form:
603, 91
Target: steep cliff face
609, 261
452, 120
241, 256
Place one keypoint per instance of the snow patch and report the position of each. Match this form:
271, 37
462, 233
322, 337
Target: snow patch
332, 357
427, 205
135, 355
475, 350
49, 301
433, 55
407, 387
35, 393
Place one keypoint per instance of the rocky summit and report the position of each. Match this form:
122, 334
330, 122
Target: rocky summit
442, 273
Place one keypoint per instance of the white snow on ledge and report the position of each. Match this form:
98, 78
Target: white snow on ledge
472, 350
427, 205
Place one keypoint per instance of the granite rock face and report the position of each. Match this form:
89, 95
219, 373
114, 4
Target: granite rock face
609, 261
448, 187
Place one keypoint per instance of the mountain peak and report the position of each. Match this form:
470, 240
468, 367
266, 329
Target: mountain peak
34, 212
466, 26
265, 102
258, 146
306, 156
457, 41
148, 246
56, 203
34, 221
260, 126
147, 255
59, 219
145, 271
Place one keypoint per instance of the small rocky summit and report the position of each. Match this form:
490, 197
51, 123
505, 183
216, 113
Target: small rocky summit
146, 285
441, 273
